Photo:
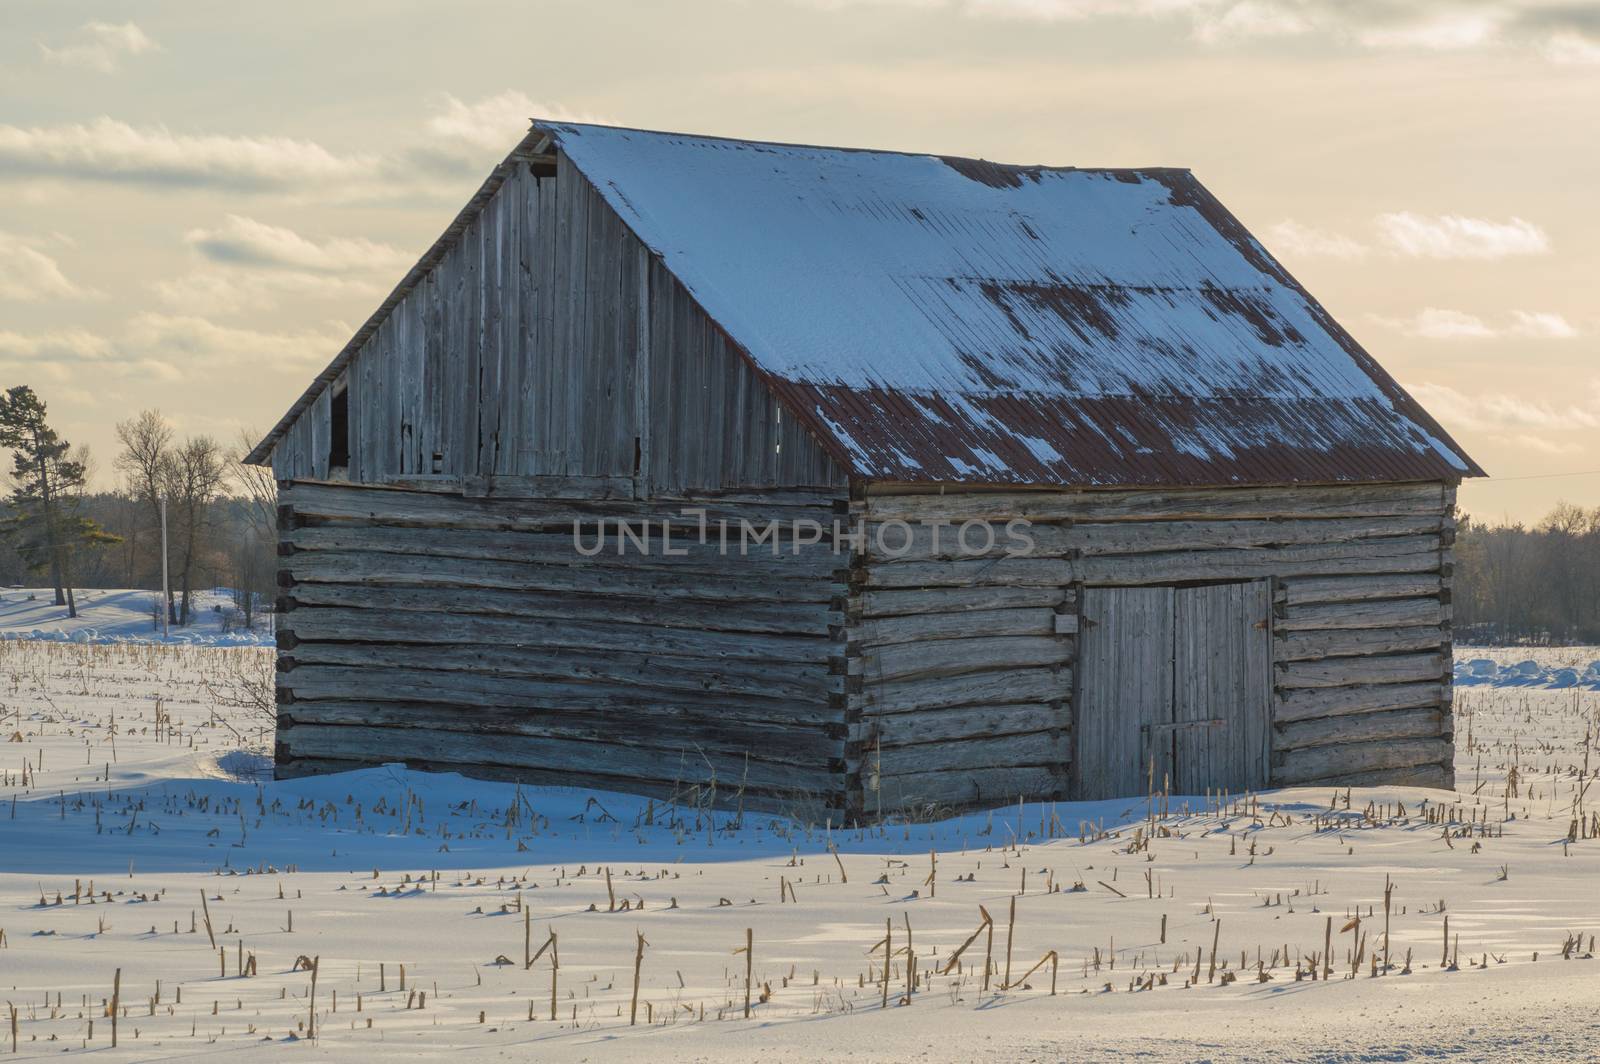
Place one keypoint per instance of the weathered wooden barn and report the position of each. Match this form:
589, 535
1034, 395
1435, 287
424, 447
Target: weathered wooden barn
1108, 499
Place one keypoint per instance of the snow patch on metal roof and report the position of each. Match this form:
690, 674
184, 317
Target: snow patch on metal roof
956, 319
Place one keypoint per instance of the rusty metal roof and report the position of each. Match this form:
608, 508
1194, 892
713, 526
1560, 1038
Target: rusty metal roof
943, 319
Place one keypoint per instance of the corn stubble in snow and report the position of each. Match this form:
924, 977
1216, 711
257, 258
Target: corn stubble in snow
385, 905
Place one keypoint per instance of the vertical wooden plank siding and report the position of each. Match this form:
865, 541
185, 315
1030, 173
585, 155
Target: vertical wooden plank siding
550, 343
1125, 692
1206, 652
1222, 672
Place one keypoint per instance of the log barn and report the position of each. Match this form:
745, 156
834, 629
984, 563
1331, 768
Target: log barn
1107, 500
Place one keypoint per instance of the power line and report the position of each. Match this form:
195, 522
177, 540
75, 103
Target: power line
1547, 476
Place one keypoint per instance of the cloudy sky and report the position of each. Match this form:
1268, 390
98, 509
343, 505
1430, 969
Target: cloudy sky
199, 202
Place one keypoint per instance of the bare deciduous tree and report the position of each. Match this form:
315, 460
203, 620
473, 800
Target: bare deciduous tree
145, 461
197, 473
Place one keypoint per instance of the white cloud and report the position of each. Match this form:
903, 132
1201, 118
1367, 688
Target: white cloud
67, 354
1545, 445
1563, 32
222, 292
243, 241
69, 345
840, 5
100, 46
1499, 412
163, 347
1452, 236
1541, 325
215, 292
454, 143
496, 123
203, 343
252, 265
28, 274
106, 149
1433, 323
1076, 10
1443, 32
1572, 49
1297, 240
1253, 19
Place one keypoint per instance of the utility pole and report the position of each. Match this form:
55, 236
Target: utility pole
166, 595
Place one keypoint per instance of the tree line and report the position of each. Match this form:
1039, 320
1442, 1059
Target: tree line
220, 514
1520, 584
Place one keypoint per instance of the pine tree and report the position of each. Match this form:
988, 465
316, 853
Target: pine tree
45, 528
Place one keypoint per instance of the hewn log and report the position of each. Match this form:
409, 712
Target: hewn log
1367, 500
901, 602
939, 626
1419, 723
1348, 672
377, 626
1397, 555
997, 686
1137, 537
966, 788
898, 544
1316, 645
1300, 590
782, 800
649, 675
1308, 703
401, 571
1432, 774
796, 617
725, 729
976, 572
1324, 762
471, 691
1374, 613
619, 764
404, 570
905, 661
960, 722
1010, 751
651, 550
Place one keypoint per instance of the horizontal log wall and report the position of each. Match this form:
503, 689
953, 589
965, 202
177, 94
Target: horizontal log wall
967, 639
548, 342
469, 634
960, 675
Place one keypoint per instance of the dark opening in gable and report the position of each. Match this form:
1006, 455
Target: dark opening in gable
339, 430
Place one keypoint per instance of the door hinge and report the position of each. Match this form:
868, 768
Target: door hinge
1183, 725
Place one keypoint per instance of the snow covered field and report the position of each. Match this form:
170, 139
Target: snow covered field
110, 616
136, 804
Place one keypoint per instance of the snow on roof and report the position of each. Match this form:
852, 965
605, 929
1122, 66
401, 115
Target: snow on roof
941, 319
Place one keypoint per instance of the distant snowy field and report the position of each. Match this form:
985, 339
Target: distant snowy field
1549, 667
134, 782
121, 616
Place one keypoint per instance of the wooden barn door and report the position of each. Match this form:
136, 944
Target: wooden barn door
1222, 687
1174, 682
1125, 669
